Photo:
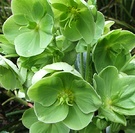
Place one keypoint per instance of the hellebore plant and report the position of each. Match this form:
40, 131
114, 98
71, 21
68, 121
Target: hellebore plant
75, 74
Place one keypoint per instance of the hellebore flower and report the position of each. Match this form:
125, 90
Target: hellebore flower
75, 18
64, 97
117, 93
30, 26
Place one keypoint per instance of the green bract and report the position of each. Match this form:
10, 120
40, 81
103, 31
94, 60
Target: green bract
113, 49
117, 93
30, 120
30, 27
75, 18
64, 97
10, 77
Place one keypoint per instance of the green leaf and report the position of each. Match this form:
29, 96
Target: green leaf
85, 97
91, 128
29, 118
10, 77
76, 119
113, 116
46, 90
40, 127
81, 46
7, 47
51, 114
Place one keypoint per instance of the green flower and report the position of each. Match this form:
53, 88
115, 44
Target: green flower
30, 26
117, 93
75, 18
64, 97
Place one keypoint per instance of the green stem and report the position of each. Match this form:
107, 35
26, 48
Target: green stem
88, 62
10, 94
81, 65
8, 100
15, 112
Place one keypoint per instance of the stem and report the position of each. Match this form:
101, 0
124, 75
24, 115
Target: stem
15, 112
88, 61
81, 65
10, 94
8, 100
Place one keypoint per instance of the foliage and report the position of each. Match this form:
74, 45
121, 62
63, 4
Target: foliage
73, 73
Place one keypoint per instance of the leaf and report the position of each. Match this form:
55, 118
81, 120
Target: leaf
7, 47
113, 116
10, 77
40, 127
51, 114
90, 128
76, 119
29, 118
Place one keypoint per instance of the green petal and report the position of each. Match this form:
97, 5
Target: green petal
40, 127
22, 7
72, 32
88, 29
11, 29
45, 39
46, 90
29, 118
20, 19
85, 96
113, 49
37, 11
51, 114
99, 27
46, 24
27, 44
76, 119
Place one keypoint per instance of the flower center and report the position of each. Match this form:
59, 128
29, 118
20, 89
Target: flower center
66, 96
72, 16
